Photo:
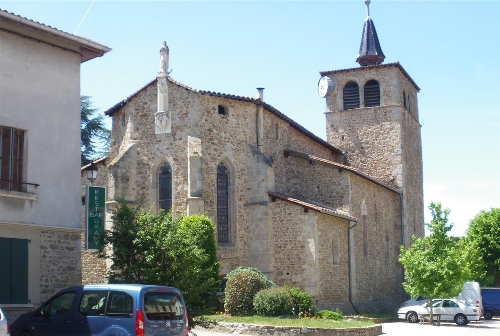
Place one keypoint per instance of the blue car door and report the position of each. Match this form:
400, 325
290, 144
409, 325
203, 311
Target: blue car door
91, 309
57, 317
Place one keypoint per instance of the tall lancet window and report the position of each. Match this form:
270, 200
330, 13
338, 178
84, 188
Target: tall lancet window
222, 204
372, 93
351, 96
165, 188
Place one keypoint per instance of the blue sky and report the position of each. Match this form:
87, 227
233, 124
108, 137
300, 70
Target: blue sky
450, 48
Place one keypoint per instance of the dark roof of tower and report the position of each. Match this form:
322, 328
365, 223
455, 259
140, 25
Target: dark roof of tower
370, 52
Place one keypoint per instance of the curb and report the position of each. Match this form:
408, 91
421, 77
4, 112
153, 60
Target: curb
260, 330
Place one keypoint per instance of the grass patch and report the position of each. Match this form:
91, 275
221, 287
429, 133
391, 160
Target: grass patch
290, 322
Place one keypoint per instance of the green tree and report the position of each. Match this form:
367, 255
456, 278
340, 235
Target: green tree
483, 247
156, 249
93, 134
434, 265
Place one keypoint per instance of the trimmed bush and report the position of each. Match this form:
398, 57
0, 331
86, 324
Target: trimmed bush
240, 291
330, 315
273, 302
302, 301
238, 269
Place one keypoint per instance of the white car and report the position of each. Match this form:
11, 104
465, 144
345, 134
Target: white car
449, 310
408, 310
4, 326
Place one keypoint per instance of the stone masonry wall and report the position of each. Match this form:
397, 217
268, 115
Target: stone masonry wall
60, 262
375, 244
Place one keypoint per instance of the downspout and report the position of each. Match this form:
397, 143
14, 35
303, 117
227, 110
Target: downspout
402, 235
260, 121
349, 265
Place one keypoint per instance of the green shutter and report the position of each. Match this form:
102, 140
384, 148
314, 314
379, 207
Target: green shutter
5, 270
13, 270
19, 271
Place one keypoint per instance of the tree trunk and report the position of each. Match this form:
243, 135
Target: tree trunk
497, 280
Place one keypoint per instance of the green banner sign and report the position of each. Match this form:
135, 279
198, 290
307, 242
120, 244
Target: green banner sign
95, 199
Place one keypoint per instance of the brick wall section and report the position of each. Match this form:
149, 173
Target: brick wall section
60, 262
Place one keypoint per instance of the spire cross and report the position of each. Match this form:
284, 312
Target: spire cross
367, 3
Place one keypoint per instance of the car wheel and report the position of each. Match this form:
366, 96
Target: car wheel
412, 317
461, 319
488, 315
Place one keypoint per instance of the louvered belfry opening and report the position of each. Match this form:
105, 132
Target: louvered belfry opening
222, 204
372, 93
11, 158
351, 96
165, 188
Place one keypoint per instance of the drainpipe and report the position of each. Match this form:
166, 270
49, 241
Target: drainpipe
260, 119
349, 264
402, 235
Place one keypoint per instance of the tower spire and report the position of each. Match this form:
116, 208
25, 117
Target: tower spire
370, 52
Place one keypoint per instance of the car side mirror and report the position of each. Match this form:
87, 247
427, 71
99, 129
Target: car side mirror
38, 312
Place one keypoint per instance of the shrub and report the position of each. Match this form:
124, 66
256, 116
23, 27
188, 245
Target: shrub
330, 315
240, 291
273, 302
302, 301
239, 269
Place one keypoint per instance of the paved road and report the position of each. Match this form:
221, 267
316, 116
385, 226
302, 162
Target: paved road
481, 328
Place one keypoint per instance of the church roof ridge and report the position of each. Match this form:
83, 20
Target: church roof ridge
312, 205
393, 64
254, 100
340, 166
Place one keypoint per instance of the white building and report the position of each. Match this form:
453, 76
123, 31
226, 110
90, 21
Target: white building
40, 215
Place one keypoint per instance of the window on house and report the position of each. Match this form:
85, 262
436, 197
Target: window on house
165, 188
404, 99
222, 110
13, 271
335, 250
11, 158
222, 204
372, 93
276, 132
351, 96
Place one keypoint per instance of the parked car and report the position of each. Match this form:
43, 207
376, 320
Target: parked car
491, 302
4, 326
470, 293
92, 310
451, 310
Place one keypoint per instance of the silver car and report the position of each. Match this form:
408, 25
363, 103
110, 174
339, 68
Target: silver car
4, 326
454, 310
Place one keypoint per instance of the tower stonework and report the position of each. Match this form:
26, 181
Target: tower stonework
383, 141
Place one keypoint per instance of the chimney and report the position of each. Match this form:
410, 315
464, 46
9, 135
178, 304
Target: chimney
261, 93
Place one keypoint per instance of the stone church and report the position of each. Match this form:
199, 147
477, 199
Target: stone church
325, 216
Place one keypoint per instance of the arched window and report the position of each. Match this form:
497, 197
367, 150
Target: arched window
372, 93
223, 204
165, 188
351, 96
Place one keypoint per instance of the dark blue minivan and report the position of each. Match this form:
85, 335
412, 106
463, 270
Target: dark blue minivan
491, 302
108, 310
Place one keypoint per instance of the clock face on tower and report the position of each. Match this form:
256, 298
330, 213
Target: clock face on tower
326, 86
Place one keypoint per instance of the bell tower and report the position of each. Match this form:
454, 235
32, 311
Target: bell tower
372, 116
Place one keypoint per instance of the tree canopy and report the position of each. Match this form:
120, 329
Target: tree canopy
434, 265
157, 249
93, 134
483, 247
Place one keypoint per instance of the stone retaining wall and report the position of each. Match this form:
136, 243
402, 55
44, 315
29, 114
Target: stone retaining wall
252, 329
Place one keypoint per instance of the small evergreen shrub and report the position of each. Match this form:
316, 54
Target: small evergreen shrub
239, 269
330, 315
240, 291
273, 301
302, 301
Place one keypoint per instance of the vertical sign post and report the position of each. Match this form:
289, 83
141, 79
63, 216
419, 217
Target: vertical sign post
95, 215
